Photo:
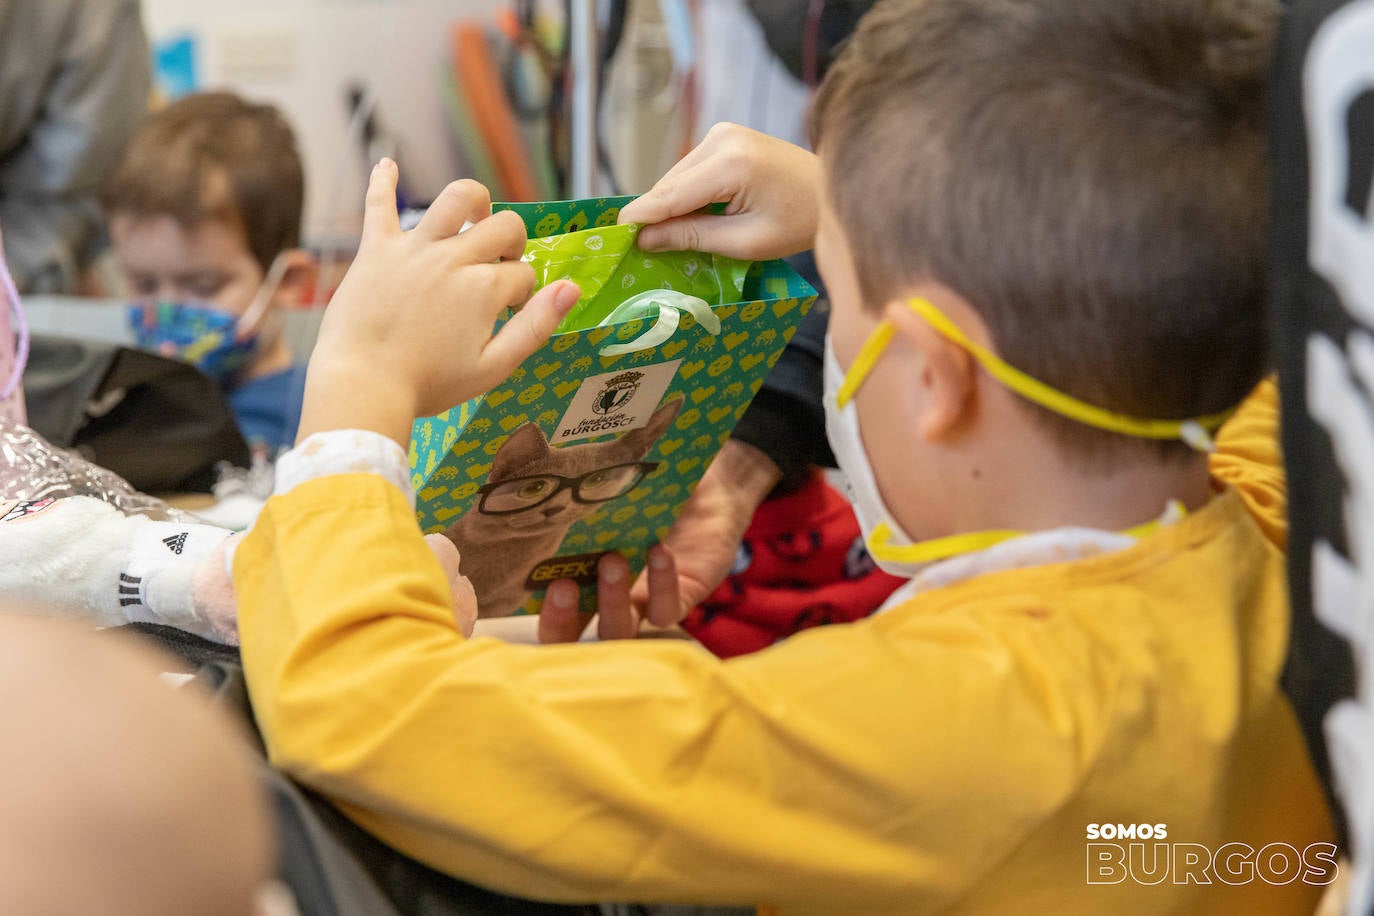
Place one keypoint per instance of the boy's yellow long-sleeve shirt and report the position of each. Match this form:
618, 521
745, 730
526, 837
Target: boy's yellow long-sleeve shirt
948, 754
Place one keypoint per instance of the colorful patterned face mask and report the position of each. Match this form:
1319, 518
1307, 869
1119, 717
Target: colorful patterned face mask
204, 335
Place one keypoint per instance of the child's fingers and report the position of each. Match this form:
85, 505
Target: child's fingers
500, 236
464, 596
687, 192
446, 552
380, 218
646, 205
491, 287
688, 233
459, 202
710, 152
639, 594
665, 603
559, 620
733, 236
464, 604
528, 330
504, 285
616, 617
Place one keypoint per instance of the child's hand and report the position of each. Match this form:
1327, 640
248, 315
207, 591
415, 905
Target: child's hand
409, 332
708, 531
617, 616
769, 186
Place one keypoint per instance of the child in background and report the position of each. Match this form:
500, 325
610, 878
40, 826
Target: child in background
1097, 617
205, 217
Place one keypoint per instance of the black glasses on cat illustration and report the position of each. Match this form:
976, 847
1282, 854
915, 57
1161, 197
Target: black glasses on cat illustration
534, 494
599, 486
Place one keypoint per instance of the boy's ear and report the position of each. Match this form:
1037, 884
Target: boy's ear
298, 281
946, 373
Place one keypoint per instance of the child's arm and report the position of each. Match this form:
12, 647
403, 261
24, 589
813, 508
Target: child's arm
850, 768
815, 773
1248, 458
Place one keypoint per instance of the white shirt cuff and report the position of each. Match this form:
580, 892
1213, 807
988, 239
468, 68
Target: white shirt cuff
345, 451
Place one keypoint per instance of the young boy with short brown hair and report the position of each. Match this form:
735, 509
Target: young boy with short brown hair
205, 217
1042, 228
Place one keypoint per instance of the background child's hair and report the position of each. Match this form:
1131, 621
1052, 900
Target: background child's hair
215, 156
1090, 175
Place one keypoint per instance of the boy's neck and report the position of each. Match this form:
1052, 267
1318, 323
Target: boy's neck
1039, 491
1134, 495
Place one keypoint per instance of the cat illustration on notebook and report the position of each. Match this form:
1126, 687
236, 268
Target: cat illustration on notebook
533, 496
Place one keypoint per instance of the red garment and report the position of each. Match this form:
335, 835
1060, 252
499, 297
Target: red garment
802, 564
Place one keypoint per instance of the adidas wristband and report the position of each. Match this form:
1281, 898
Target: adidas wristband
156, 583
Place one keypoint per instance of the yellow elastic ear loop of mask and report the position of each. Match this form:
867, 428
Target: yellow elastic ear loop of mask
881, 547
1196, 432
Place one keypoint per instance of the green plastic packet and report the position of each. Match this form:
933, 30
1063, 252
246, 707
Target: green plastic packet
608, 268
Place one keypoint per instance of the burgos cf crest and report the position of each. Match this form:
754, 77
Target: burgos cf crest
617, 393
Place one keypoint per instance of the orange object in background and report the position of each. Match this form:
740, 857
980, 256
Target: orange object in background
479, 80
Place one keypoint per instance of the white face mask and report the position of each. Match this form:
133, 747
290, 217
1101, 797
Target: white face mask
846, 441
